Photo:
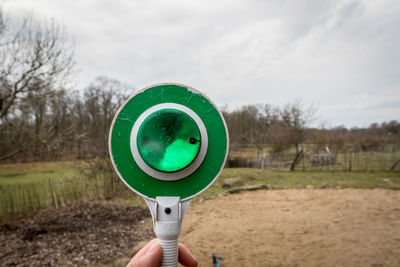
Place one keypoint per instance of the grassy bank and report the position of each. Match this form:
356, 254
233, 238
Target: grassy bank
29, 187
310, 179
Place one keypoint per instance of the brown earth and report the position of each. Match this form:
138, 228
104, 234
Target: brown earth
297, 228
263, 228
87, 234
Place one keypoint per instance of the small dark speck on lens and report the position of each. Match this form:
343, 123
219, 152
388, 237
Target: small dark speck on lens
192, 140
145, 140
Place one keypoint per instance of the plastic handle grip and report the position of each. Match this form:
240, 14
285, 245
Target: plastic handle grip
170, 252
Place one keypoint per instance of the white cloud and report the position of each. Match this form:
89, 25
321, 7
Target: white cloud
342, 56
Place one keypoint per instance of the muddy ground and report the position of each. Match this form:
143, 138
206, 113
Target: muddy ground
264, 228
88, 234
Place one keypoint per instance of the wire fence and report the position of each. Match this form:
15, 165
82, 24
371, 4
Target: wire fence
347, 161
21, 199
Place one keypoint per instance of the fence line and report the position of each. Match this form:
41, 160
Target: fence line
22, 199
349, 161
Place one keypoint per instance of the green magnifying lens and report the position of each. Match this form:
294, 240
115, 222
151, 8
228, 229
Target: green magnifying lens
168, 143
164, 136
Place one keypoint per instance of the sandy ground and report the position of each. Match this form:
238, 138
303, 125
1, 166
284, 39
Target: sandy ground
263, 228
297, 228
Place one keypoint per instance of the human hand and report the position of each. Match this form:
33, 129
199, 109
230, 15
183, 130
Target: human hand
151, 256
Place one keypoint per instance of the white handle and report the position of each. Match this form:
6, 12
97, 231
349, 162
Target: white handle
169, 252
167, 213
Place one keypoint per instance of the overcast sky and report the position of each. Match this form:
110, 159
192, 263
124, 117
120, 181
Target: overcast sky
343, 57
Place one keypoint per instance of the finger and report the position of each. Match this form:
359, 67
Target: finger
145, 248
152, 258
185, 256
135, 261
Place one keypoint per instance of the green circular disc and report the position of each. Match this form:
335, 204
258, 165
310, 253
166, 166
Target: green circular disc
164, 135
120, 143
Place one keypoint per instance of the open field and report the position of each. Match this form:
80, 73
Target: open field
27, 188
22, 173
343, 224
288, 227
298, 180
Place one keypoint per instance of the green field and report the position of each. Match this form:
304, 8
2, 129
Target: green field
299, 179
29, 187
314, 179
23, 173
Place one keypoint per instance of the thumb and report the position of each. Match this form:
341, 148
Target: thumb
152, 258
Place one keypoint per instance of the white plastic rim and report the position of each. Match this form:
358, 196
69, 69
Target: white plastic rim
172, 176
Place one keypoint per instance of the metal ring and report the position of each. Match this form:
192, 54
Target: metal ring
174, 175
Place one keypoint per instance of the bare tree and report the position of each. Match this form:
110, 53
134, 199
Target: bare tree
36, 60
101, 100
296, 118
34, 55
251, 125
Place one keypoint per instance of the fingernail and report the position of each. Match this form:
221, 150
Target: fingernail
151, 249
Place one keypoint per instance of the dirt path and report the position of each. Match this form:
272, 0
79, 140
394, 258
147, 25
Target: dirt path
297, 228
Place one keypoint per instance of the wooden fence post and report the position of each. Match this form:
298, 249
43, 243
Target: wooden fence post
394, 165
53, 193
350, 158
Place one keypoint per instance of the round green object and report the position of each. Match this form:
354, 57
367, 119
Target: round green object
168, 140
120, 142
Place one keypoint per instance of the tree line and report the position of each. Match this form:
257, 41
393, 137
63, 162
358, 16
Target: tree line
43, 118
283, 128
